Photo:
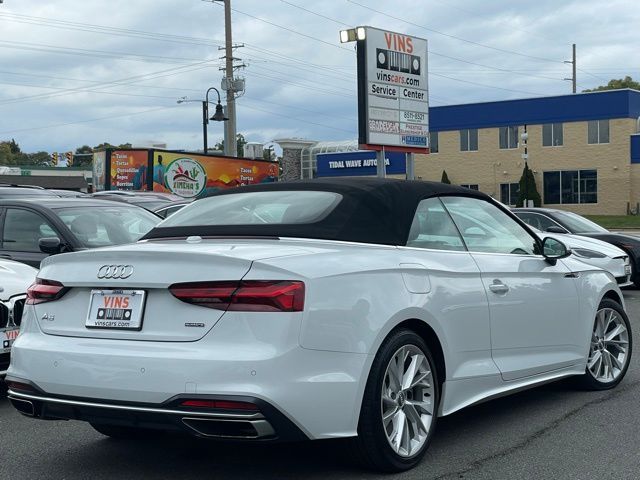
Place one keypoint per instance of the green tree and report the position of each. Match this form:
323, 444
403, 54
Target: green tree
15, 148
6, 157
39, 158
445, 178
240, 143
617, 84
528, 188
86, 159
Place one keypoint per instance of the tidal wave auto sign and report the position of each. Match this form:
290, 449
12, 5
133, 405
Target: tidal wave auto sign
393, 100
352, 164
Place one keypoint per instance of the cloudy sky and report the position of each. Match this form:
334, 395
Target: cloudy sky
86, 72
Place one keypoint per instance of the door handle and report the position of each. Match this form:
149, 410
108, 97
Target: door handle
498, 287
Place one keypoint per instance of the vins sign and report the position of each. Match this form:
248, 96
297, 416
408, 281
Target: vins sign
393, 98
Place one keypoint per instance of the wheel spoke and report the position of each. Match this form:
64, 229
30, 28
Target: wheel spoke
600, 324
400, 421
597, 356
426, 406
416, 419
613, 360
607, 322
420, 378
616, 332
395, 380
410, 373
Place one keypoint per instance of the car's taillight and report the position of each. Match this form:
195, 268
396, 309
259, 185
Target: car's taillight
244, 296
44, 291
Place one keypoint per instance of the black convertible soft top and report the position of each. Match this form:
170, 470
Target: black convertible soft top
372, 210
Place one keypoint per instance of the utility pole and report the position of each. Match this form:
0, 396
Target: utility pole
230, 146
573, 65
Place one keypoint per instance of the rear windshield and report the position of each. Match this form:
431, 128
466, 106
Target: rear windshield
103, 226
256, 208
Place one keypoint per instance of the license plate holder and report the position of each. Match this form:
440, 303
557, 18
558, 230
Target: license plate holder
116, 309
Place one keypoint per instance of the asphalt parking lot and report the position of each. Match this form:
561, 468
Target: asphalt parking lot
549, 432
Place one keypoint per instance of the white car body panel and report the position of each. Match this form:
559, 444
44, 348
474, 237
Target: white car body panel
15, 278
311, 365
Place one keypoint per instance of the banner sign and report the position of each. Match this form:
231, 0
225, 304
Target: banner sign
393, 98
352, 164
129, 169
192, 175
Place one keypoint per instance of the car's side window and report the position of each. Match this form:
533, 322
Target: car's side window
538, 221
23, 229
432, 227
486, 228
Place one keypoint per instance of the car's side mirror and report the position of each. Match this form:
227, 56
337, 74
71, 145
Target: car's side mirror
555, 229
51, 245
553, 250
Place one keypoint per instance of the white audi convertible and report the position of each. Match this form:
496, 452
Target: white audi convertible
312, 310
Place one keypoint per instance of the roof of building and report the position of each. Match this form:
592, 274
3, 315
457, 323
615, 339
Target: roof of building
577, 107
370, 210
63, 182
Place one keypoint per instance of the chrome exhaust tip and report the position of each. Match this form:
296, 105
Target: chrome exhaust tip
230, 428
25, 407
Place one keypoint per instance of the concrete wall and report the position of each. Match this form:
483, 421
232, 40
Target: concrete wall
489, 166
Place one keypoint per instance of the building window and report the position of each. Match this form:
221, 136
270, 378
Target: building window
469, 140
509, 193
598, 131
552, 135
433, 142
508, 137
571, 186
471, 186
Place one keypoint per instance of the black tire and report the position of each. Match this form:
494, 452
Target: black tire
587, 381
371, 446
123, 433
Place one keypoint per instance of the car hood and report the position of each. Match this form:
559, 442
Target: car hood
15, 278
577, 241
613, 237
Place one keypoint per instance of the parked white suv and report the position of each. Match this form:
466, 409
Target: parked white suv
15, 278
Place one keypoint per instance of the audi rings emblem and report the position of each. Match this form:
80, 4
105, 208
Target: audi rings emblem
115, 271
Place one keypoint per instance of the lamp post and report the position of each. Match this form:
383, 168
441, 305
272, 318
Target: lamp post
217, 117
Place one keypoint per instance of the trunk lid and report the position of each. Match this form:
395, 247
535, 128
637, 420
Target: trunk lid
151, 267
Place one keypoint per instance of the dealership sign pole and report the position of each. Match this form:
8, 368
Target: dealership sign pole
393, 96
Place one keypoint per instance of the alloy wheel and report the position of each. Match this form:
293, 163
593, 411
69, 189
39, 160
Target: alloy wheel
609, 346
407, 400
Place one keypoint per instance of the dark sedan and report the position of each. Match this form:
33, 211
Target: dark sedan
560, 221
32, 229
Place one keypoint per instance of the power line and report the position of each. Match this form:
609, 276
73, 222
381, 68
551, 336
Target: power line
487, 86
86, 121
268, 22
107, 30
316, 13
503, 50
146, 76
41, 47
504, 70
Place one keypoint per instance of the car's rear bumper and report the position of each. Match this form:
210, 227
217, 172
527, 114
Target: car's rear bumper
318, 391
264, 423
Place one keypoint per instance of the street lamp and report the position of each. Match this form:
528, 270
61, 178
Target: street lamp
217, 117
